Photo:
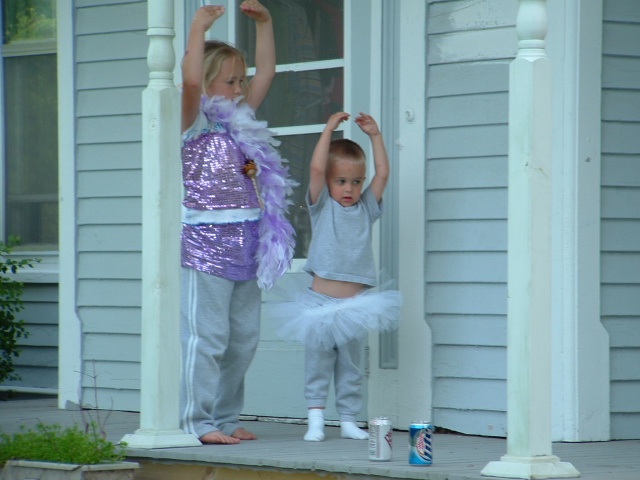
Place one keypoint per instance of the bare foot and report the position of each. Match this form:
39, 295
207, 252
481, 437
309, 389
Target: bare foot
242, 434
218, 438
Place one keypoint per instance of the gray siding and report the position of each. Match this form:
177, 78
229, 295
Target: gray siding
466, 202
621, 210
37, 364
111, 73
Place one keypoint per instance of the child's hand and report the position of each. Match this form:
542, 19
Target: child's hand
255, 10
367, 124
205, 16
335, 120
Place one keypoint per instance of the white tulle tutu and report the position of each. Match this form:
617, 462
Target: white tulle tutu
326, 322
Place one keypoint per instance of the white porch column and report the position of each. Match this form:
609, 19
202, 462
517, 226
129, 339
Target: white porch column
161, 192
581, 373
529, 449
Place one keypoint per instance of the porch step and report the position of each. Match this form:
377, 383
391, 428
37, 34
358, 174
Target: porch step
279, 453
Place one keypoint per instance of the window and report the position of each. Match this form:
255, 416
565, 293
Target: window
29, 123
308, 88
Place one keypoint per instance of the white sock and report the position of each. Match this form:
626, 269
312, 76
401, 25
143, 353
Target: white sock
351, 430
315, 432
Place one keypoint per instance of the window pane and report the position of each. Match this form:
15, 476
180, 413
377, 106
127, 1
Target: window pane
303, 98
28, 20
35, 223
305, 30
31, 149
297, 149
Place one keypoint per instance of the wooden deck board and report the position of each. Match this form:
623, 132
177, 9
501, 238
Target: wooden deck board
280, 448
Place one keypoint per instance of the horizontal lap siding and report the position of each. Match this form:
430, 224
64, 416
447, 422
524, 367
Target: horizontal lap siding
111, 74
37, 364
621, 210
470, 45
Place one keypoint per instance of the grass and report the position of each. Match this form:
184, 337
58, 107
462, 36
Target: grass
52, 443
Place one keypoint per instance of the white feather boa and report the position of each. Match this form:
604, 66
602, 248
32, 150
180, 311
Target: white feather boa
256, 141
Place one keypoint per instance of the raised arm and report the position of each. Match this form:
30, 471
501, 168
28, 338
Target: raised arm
192, 62
265, 52
380, 161
320, 157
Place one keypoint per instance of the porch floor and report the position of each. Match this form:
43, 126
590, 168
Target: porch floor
280, 451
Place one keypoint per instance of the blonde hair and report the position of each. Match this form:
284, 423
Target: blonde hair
215, 53
345, 149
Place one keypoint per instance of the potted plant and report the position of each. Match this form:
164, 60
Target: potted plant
50, 452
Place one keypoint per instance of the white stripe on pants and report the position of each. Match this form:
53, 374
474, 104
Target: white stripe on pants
219, 330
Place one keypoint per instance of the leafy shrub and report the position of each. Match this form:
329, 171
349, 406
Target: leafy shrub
11, 328
52, 443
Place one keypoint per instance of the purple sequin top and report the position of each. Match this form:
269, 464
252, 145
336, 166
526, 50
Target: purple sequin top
212, 174
212, 171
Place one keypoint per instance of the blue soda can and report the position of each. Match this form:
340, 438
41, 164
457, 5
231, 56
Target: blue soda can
420, 443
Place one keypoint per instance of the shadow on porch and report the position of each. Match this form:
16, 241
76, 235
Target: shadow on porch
280, 453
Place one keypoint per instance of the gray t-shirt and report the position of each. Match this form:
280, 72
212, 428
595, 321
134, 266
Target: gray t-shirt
341, 239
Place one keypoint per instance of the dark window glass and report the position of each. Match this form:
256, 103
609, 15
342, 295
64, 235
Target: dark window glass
30, 122
308, 36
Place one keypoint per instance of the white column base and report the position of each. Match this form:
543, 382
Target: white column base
545, 466
160, 439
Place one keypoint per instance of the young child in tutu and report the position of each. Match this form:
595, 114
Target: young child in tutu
234, 229
334, 316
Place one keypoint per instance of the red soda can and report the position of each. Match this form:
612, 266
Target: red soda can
380, 439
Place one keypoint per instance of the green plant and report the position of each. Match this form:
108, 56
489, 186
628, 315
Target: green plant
11, 328
52, 443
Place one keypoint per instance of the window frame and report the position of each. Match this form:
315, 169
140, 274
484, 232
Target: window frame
355, 27
46, 270
317, 65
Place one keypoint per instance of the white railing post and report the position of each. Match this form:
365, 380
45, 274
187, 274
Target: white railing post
161, 192
529, 448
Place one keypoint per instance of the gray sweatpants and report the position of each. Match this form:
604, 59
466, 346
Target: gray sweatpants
219, 331
344, 364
